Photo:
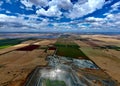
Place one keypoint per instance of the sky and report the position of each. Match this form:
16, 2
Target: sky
59, 15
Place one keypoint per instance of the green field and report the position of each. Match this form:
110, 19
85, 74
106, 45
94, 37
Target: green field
68, 48
48, 82
5, 43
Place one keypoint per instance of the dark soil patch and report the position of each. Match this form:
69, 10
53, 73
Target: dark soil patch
28, 48
52, 48
111, 47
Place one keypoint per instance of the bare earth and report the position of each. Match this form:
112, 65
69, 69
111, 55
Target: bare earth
16, 65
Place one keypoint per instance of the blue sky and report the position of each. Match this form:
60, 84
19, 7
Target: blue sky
59, 15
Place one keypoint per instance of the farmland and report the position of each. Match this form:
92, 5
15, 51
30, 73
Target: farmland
23, 55
104, 51
21, 59
4, 43
71, 59
67, 48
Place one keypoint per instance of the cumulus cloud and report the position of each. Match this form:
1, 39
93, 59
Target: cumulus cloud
39, 2
91, 23
4, 18
60, 10
22, 25
10, 21
55, 7
72, 11
52, 11
62, 4
80, 10
110, 22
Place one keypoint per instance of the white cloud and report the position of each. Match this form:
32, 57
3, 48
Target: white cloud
110, 16
77, 10
8, 11
1, 2
82, 1
44, 22
108, 2
39, 2
61, 4
27, 3
9, 23
31, 24
5, 18
54, 7
110, 22
115, 6
80, 10
22, 24
94, 19
22, 7
53, 11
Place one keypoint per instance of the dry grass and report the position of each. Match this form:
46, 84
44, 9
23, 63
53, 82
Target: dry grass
106, 59
18, 64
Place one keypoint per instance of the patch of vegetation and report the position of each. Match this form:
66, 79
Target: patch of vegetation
48, 82
70, 52
43, 47
66, 43
4, 43
111, 47
69, 49
2, 47
1, 66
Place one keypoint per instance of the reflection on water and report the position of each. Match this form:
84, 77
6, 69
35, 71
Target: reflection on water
61, 71
64, 72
